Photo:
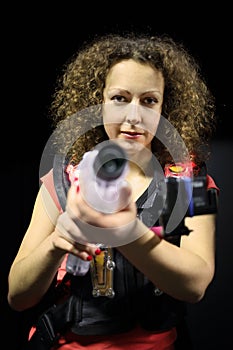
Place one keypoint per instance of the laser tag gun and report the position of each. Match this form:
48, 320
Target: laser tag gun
101, 175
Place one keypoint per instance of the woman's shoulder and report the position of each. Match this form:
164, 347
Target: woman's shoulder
48, 181
211, 183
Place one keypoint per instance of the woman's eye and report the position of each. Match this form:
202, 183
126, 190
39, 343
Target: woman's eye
118, 98
150, 100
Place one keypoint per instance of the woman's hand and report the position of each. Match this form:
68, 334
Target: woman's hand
82, 223
86, 213
67, 245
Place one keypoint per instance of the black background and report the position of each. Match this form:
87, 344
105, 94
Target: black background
36, 39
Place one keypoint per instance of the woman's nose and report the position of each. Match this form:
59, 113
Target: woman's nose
133, 114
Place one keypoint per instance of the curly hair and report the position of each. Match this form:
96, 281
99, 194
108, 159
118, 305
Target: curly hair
188, 103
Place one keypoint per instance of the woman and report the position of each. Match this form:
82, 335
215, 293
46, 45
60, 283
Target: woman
147, 95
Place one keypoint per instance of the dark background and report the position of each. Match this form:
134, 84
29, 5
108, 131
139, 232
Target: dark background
37, 39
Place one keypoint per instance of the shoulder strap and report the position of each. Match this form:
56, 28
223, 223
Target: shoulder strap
61, 181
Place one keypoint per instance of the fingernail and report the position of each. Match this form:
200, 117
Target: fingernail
89, 258
98, 251
158, 230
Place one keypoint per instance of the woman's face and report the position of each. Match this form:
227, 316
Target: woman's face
133, 98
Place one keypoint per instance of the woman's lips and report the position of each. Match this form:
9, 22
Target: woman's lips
131, 134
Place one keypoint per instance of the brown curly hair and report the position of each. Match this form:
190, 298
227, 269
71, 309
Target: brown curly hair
188, 104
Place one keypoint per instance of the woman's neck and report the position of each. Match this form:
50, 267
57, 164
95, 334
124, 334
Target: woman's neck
139, 179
